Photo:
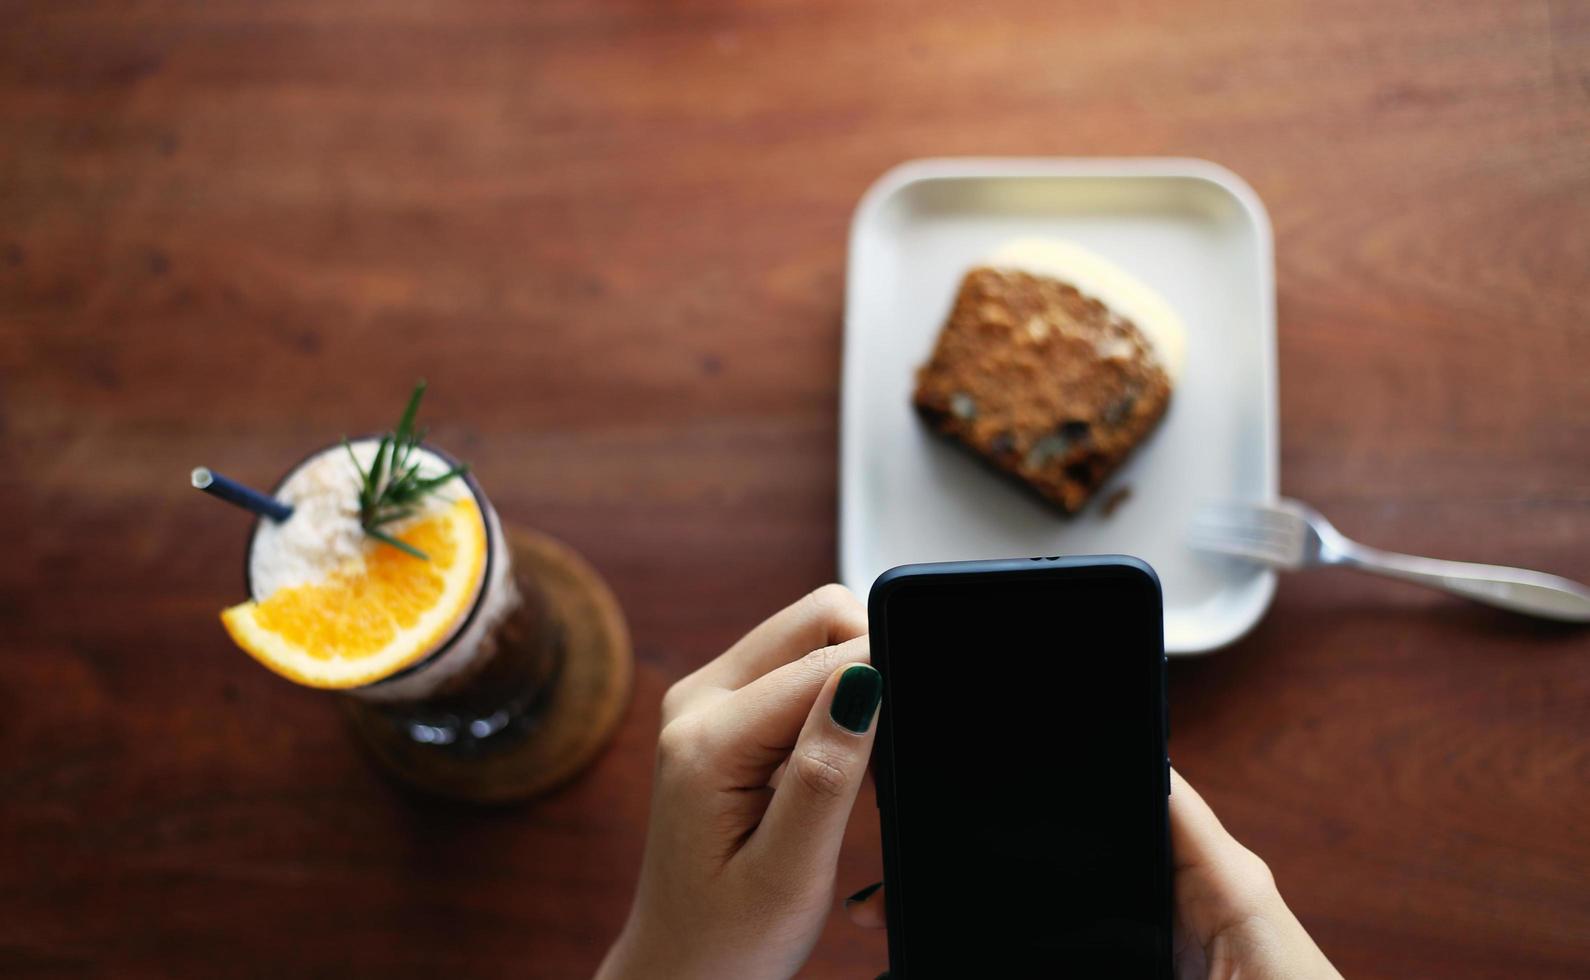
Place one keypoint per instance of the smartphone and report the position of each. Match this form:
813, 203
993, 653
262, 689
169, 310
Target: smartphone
1022, 775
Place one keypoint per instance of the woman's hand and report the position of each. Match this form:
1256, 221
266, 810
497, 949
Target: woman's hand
758, 763
1230, 919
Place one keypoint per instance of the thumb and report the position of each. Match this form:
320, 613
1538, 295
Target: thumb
805, 821
1227, 900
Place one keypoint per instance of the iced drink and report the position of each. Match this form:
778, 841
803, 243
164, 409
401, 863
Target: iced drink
425, 639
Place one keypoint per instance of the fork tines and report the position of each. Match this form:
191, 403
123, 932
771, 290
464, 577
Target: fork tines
1263, 534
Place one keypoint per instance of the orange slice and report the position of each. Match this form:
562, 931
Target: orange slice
375, 617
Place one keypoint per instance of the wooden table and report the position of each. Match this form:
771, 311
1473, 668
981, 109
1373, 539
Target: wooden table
612, 236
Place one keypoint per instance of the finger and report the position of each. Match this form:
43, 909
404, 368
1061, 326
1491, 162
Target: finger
1225, 891
1201, 843
866, 909
825, 617
1218, 881
805, 821
748, 734
1197, 836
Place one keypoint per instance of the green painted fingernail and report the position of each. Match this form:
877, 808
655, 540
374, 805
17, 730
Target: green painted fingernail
856, 698
863, 894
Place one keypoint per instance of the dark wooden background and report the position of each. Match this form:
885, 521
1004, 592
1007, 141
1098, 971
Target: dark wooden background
612, 236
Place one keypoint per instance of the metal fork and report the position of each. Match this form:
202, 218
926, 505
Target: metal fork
1293, 535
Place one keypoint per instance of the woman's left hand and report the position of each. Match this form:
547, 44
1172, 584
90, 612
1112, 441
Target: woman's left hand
758, 763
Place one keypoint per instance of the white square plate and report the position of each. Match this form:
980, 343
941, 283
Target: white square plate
1191, 230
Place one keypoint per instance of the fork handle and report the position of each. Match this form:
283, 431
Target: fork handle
1517, 589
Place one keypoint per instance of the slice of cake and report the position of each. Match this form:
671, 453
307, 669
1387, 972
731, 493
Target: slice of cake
1040, 378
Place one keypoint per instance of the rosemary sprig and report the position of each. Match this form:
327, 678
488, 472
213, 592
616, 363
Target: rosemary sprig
392, 488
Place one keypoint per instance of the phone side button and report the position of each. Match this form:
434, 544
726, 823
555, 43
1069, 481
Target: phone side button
1167, 775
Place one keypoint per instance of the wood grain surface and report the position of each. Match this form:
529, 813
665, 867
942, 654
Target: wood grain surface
612, 236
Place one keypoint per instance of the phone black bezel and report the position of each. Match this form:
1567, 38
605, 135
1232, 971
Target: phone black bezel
1121, 568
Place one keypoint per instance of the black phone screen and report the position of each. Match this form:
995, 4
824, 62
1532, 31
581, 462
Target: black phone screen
1022, 771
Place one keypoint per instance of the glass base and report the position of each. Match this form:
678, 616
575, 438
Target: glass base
501, 704
467, 732
540, 709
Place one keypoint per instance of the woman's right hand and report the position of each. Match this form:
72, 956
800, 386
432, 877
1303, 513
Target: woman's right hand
1230, 919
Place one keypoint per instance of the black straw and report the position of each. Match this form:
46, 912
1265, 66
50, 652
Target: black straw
233, 492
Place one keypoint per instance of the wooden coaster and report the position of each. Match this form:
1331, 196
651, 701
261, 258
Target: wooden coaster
576, 718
